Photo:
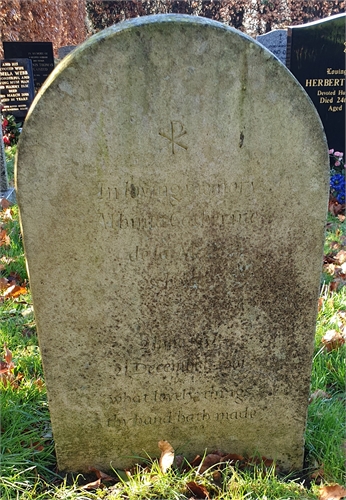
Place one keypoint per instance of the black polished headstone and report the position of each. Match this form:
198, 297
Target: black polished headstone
40, 53
316, 57
16, 86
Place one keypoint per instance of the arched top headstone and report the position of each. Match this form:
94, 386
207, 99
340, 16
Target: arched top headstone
172, 180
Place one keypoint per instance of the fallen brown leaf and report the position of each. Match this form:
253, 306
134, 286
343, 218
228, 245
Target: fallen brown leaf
6, 368
4, 203
7, 214
342, 270
329, 258
196, 461
37, 445
15, 278
39, 384
198, 490
318, 475
4, 238
319, 394
232, 458
8, 356
329, 269
340, 257
341, 217
209, 461
167, 455
94, 485
7, 260
217, 477
102, 475
335, 245
334, 285
3, 283
14, 291
333, 492
332, 340
268, 462
335, 208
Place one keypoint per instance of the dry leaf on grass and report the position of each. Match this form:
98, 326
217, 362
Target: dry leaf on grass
94, 485
198, 490
3, 284
5, 240
167, 455
342, 315
232, 458
196, 461
329, 268
333, 492
336, 284
7, 214
332, 340
6, 368
14, 291
209, 461
4, 203
340, 257
319, 394
101, 476
318, 475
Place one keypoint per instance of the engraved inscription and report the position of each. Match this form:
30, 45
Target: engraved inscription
181, 417
183, 396
184, 367
172, 194
120, 220
177, 131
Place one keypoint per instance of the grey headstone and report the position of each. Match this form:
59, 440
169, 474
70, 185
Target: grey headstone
64, 51
276, 42
173, 253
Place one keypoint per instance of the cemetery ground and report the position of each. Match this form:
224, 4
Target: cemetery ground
28, 465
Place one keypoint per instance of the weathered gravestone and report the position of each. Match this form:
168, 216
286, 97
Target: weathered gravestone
173, 230
276, 42
316, 57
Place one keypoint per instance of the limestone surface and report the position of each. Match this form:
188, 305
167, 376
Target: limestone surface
172, 179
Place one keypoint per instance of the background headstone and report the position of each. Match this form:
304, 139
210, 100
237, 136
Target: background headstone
276, 42
64, 51
316, 57
16, 86
40, 53
173, 251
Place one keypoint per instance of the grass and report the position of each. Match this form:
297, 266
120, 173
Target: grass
10, 155
28, 465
